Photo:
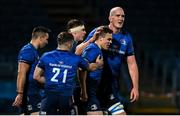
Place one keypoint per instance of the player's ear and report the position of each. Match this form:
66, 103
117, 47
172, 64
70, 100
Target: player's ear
110, 19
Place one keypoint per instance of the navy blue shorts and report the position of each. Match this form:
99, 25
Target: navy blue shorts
31, 103
54, 103
92, 103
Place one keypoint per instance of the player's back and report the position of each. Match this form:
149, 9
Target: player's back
60, 70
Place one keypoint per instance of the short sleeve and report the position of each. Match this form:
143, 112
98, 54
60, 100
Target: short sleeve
27, 56
41, 62
90, 34
83, 63
130, 48
90, 54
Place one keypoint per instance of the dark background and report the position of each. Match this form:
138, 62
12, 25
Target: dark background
154, 26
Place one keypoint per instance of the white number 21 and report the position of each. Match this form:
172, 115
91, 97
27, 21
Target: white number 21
57, 71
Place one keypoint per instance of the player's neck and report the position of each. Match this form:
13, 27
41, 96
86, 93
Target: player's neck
114, 29
62, 47
34, 43
97, 43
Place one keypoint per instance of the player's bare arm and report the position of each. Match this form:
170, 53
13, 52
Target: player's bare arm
82, 81
23, 68
133, 70
80, 47
38, 75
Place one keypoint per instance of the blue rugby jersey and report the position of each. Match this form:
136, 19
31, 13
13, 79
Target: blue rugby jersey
90, 53
60, 68
28, 54
121, 46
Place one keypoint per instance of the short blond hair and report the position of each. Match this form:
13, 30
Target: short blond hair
112, 11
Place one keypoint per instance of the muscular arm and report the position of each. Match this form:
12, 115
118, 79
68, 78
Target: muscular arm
82, 81
80, 47
38, 75
23, 69
133, 70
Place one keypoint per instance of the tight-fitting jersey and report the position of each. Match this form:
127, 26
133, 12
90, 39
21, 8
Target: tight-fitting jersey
28, 54
60, 68
91, 53
121, 46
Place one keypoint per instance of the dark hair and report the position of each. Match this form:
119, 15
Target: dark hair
103, 30
40, 31
64, 37
74, 23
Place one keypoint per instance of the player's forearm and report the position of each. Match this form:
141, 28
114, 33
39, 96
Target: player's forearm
134, 73
20, 82
94, 66
80, 48
38, 75
82, 80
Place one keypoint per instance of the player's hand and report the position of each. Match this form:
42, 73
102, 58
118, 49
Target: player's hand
99, 61
18, 100
96, 34
134, 95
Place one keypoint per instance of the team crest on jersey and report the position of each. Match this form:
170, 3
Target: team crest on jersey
123, 42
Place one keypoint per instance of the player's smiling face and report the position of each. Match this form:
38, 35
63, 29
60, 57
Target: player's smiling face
117, 19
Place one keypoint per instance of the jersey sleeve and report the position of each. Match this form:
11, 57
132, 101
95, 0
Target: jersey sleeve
90, 35
130, 48
26, 56
90, 54
41, 62
83, 63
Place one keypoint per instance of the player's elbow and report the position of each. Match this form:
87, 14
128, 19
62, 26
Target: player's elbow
36, 76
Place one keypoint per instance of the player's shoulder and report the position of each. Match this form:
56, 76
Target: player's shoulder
126, 35
27, 49
91, 46
46, 54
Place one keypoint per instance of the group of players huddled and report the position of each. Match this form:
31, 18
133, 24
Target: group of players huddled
81, 76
